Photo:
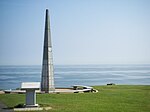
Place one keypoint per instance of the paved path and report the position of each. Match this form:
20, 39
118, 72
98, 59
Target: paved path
3, 108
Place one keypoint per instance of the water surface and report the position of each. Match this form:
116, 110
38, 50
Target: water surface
68, 75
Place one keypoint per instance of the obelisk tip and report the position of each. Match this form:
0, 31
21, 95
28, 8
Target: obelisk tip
46, 10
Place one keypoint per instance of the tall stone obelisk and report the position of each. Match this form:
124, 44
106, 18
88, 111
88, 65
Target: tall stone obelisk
47, 79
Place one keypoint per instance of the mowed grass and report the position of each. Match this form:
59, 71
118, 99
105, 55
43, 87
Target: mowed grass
116, 98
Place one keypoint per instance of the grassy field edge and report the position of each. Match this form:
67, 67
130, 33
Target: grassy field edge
115, 98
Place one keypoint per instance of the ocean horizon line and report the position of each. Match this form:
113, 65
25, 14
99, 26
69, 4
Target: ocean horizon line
67, 64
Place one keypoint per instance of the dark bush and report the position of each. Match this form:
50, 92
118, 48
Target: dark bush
19, 106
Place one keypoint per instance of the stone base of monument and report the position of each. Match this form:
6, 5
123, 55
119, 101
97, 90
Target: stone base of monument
32, 109
28, 106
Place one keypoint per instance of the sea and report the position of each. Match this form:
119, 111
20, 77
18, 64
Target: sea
11, 77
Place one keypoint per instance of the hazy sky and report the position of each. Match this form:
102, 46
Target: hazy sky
83, 31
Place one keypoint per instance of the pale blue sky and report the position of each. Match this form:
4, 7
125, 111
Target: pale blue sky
83, 31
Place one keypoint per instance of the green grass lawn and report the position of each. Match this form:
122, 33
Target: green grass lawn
116, 98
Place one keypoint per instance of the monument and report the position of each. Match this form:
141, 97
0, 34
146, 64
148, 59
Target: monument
30, 88
47, 79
